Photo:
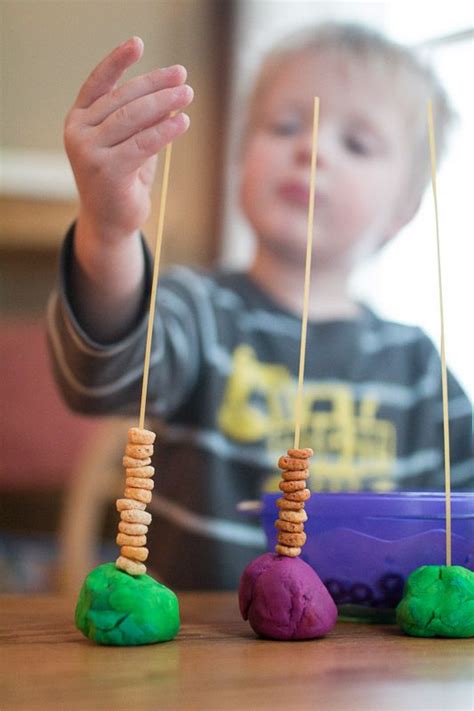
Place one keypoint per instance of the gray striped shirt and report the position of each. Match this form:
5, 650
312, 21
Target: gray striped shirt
222, 385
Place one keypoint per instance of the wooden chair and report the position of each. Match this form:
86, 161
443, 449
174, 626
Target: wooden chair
96, 481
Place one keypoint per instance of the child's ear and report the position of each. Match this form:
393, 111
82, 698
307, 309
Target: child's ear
402, 217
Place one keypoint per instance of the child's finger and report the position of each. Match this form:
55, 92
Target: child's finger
106, 74
141, 114
156, 80
132, 153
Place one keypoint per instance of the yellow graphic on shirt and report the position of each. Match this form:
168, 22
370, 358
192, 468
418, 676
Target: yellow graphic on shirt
353, 447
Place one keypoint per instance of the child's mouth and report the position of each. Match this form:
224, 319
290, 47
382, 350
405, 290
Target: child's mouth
297, 194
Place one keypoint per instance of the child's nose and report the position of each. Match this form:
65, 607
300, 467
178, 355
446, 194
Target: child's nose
305, 147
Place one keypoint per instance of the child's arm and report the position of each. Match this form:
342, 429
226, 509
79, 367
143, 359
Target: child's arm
112, 134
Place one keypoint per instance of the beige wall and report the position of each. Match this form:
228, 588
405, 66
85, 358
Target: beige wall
49, 46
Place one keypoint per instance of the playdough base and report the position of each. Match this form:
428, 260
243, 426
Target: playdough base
120, 609
438, 602
283, 598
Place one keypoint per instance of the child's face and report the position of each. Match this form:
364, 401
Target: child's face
362, 166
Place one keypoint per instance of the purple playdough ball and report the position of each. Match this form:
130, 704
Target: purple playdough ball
283, 598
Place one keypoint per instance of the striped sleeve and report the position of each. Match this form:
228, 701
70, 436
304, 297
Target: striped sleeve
106, 379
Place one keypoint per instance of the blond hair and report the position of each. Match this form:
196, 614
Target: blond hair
412, 80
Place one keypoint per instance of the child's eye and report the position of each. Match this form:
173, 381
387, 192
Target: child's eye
285, 128
357, 145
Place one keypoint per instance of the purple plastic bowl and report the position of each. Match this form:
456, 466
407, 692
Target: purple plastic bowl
363, 546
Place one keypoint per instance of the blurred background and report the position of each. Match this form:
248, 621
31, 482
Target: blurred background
49, 458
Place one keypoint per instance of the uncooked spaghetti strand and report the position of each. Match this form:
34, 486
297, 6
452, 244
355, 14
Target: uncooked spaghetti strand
444, 376
307, 276
154, 285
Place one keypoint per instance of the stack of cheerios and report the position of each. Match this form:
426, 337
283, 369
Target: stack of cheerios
292, 516
134, 520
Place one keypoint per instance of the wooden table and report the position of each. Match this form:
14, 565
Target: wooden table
216, 662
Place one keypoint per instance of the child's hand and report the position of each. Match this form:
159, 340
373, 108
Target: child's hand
112, 134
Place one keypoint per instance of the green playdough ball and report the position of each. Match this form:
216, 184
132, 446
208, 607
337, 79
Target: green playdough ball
120, 609
438, 602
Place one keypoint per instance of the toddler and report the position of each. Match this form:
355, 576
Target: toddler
226, 345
